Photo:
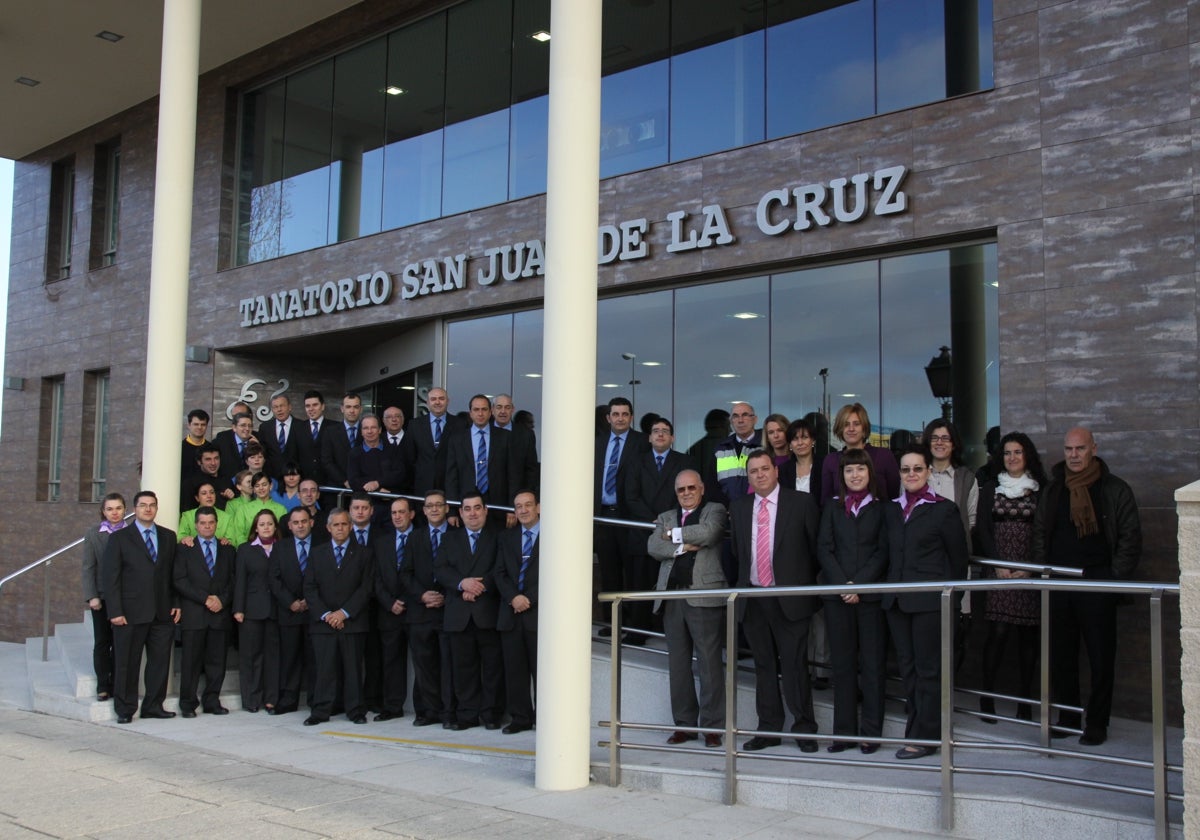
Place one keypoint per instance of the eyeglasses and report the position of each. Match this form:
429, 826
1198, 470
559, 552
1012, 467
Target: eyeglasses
690, 488
940, 439
660, 431
907, 470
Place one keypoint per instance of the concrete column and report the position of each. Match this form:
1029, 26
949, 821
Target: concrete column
968, 337
170, 255
568, 394
1187, 504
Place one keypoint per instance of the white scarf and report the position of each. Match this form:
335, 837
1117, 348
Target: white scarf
1015, 488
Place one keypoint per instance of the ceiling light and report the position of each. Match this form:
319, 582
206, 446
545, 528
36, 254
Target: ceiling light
725, 375
849, 395
541, 36
652, 364
111, 37
533, 376
745, 316
610, 385
408, 387
28, 82
392, 90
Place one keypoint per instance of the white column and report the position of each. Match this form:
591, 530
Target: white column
568, 396
170, 255
1187, 504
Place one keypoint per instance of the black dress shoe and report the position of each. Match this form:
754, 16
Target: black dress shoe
219, 710
124, 719
868, 749
605, 632
905, 753
807, 745
1093, 737
251, 709
760, 743
461, 725
313, 720
188, 715
679, 737
360, 719
388, 716
158, 714
635, 639
491, 724
421, 720
712, 740
839, 746
514, 728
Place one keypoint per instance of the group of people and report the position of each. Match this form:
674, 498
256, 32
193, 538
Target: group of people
336, 602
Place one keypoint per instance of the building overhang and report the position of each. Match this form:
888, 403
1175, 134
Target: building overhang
82, 78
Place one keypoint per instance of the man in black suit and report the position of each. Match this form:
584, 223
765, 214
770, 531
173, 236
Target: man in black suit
366, 533
481, 457
310, 498
620, 552
400, 444
207, 468
337, 588
373, 467
774, 536
335, 448
428, 435
204, 581
391, 553
231, 443
465, 568
289, 561
524, 442
280, 437
650, 483
312, 436
517, 580
432, 687
137, 575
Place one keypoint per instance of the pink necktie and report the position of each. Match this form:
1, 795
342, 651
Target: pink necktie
762, 552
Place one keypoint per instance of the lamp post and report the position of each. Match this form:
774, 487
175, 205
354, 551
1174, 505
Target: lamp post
940, 373
824, 374
633, 380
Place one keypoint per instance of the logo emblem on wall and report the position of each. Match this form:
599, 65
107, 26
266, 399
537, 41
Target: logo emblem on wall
249, 397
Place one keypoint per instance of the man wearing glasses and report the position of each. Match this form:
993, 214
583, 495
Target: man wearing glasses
729, 465
686, 541
650, 487
428, 647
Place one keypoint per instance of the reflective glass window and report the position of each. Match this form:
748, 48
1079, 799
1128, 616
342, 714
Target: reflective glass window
634, 88
910, 53
359, 107
530, 100
308, 119
479, 359
527, 364
637, 326
260, 173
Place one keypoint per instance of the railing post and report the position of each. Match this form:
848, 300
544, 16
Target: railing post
731, 660
1044, 666
947, 703
1157, 716
614, 723
46, 611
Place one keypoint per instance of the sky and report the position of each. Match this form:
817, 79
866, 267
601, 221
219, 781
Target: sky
6, 182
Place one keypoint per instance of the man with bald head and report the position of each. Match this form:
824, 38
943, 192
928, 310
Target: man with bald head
687, 542
428, 433
728, 469
1086, 518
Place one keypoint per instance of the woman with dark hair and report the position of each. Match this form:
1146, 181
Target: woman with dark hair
928, 544
254, 611
287, 493
802, 470
775, 439
949, 478
1004, 531
95, 539
243, 522
853, 547
206, 496
852, 427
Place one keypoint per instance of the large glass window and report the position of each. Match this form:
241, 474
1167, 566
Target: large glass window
93, 443
60, 233
106, 204
794, 342
50, 439
449, 114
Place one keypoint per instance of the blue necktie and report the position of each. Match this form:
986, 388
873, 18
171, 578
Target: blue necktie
338, 551
474, 541
302, 556
481, 464
437, 431
316, 429
526, 554
434, 537
150, 546
659, 458
362, 536
282, 436
400, 542
209, 560
610, 475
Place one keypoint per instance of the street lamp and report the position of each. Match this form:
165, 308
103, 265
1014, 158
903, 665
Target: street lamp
824, 374
633, 380
940, 373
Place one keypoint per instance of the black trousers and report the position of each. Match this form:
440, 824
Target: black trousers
623, 569
156, 638
478, 673
425, 650
520, 666
203, 651
339, 654
918, 640
297, 665
393, 639
1089, 618
857, 641
779, 646
102, 649
258, 662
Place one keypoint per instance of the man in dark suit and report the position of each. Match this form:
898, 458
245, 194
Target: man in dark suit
400, 444
650, 483
774, 536
137, 573
465, 568
335, 449
524, 442
207, 469
289, 561
432, 687
310, 498
204, 582
517, 580
428, 435
280, 437
390, 554
337, 588
312, 436
231, 443
365, 532
481, 457
621, 553
373, 467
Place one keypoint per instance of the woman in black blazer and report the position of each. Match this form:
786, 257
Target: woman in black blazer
853, 547
928, 544
254, 611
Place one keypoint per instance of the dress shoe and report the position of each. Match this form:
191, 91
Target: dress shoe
514, 728
634, 639
388, 716
868, 749
462, 725
678, 737
905, 753
605, 633
313, 720
421, 720
251, 709
1093, 736
491, 725
839, 746
760, 743
712, 739
189, 714
158, 714
124, 719
359, 719
987, 705
281, 710
219, 710
807, 745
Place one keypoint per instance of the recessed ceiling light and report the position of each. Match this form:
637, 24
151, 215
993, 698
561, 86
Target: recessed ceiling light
392, 90
610, 385
652, 364
745, 316
28, 82
725, 375
541, 35
408, 387
111, 37
849, 395
533, 376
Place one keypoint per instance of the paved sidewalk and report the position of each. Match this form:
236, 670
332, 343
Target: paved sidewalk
243, 776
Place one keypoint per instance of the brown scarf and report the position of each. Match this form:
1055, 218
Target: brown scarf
1082, 512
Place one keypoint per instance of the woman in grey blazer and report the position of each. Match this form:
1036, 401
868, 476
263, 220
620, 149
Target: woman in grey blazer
112, 518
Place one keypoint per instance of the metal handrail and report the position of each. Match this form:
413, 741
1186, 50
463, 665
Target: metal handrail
46, 561
948, 590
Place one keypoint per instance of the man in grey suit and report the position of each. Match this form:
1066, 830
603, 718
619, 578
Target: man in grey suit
687, 542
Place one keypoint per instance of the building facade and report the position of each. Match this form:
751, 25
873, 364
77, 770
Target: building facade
800, 205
